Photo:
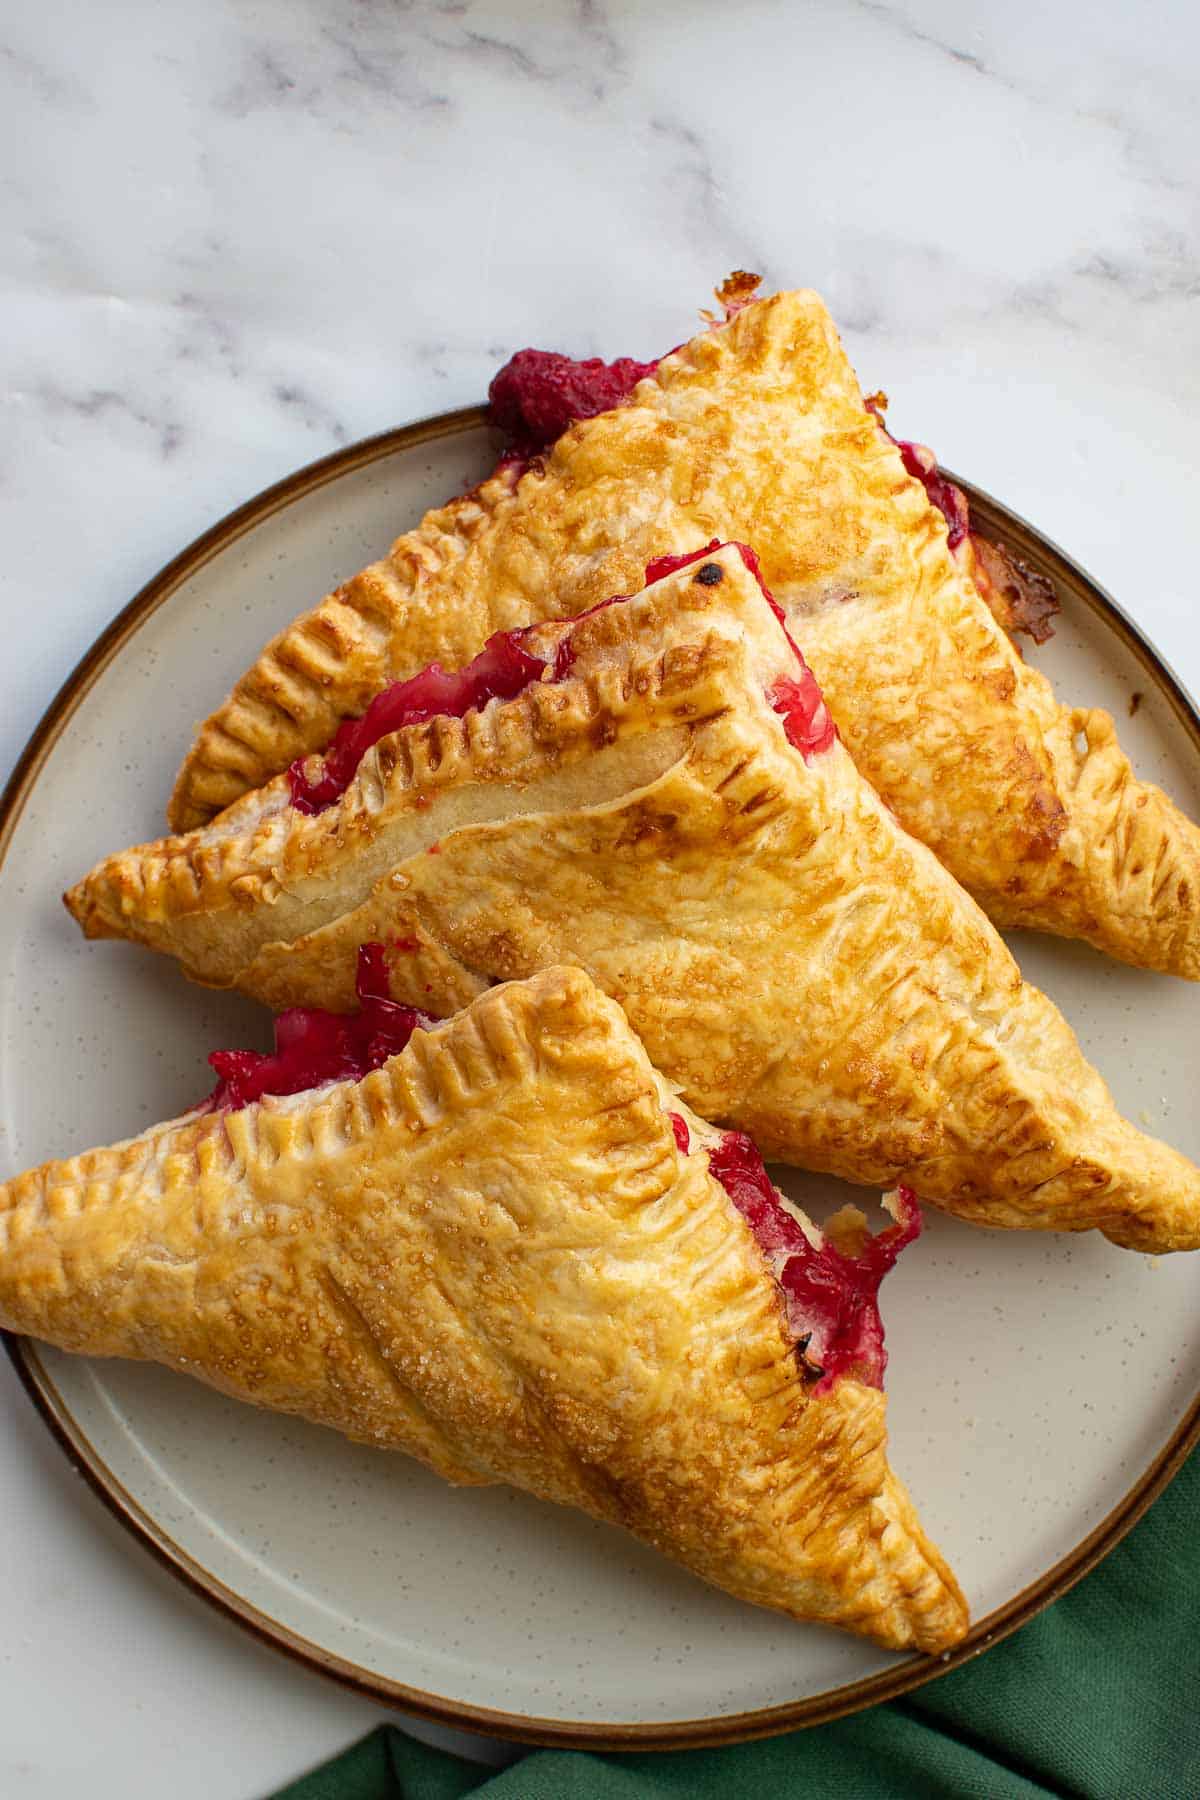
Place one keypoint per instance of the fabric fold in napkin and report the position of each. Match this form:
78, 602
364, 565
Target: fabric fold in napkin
1096, 1698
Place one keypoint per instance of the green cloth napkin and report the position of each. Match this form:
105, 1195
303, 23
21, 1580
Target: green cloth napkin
1099, 1697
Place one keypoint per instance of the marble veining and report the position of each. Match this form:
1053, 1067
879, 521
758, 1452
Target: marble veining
238, 235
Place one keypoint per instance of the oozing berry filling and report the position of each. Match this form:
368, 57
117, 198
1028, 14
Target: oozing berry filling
500, 671
538, 393
807, 722
831, 1296
950, 501
1021, 598
313, 1047
919, 461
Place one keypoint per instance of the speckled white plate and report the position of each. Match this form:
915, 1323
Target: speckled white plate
1042, 1389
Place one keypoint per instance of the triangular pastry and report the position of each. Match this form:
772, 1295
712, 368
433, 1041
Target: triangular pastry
656, 791
758, 430
506, 1251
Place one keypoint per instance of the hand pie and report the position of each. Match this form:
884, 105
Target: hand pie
655, 791
501, 1252
758, 430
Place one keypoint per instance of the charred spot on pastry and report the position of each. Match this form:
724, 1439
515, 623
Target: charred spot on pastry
1020, 597
811, 1371
710, 575
738, 290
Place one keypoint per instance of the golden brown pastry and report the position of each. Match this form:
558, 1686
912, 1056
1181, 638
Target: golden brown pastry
499, 1252
662, 799
757, 430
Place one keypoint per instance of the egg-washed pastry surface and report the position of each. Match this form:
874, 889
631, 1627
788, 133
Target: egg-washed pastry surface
506, 1250
757, 430
656, 792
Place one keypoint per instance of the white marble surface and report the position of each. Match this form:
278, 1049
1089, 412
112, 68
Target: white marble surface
238, 235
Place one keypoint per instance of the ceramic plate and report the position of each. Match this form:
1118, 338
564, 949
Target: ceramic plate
1041, 1389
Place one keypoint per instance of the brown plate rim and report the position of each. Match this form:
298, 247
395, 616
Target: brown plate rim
997, 521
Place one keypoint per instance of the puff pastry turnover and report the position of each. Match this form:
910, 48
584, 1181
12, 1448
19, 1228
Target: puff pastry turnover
757, 430
666, 803
500, 1252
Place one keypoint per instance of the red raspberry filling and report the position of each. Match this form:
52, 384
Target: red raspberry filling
500, 671
832, 1297
806, 718
683, 1137
538, 393
919, 461
950, 501
313, 1047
